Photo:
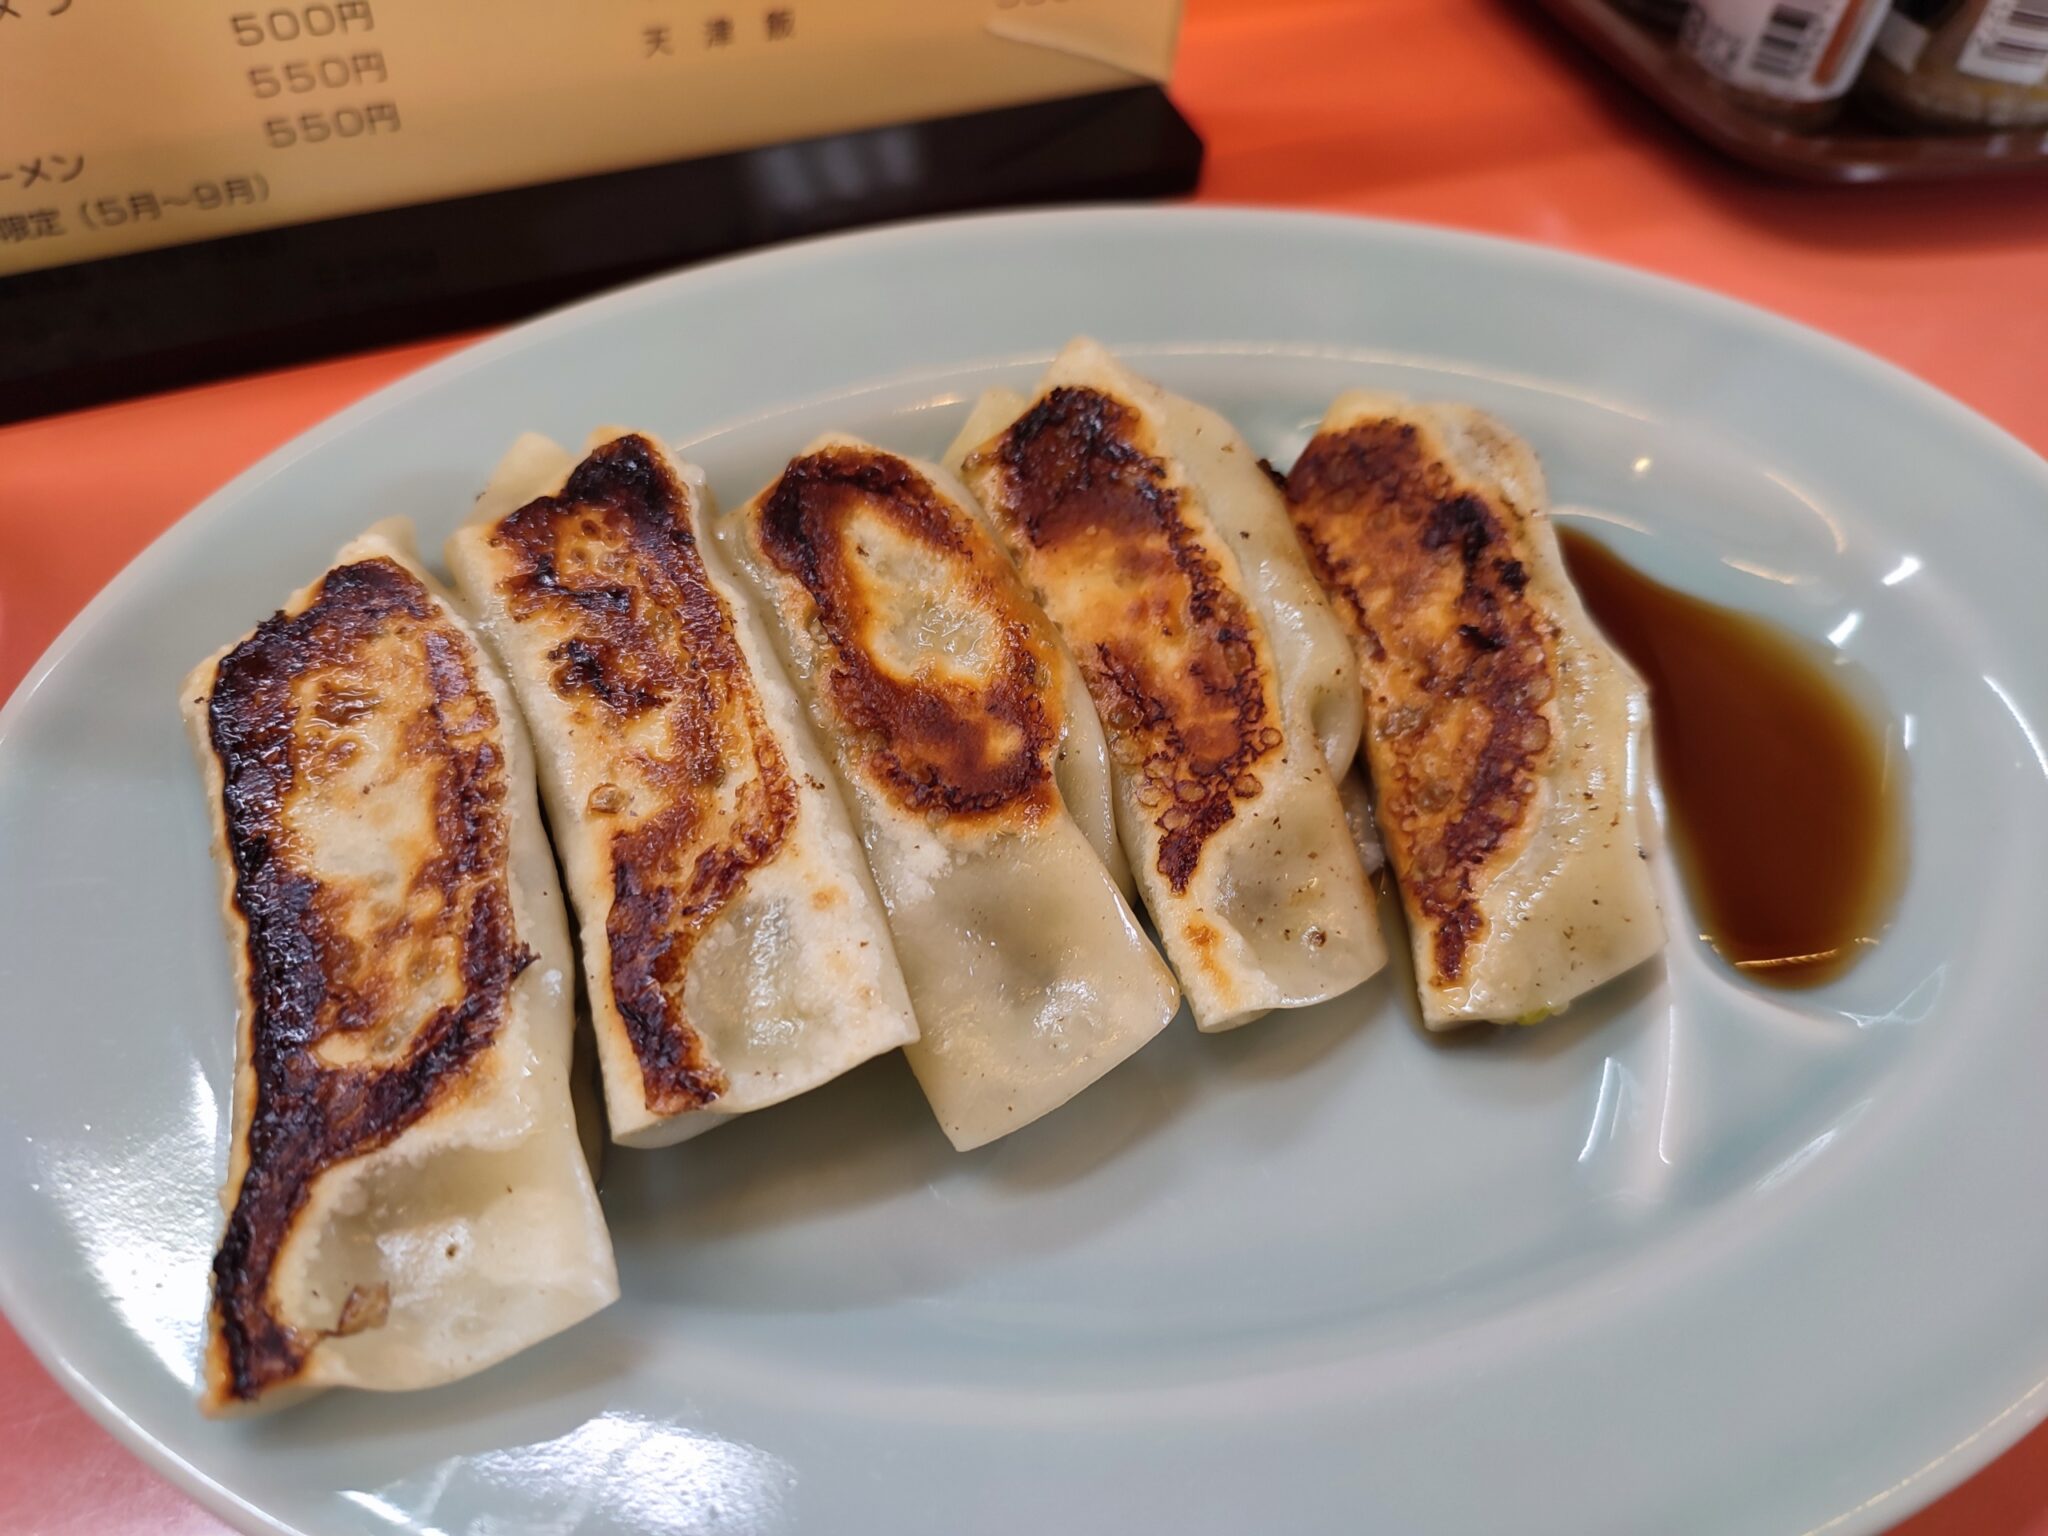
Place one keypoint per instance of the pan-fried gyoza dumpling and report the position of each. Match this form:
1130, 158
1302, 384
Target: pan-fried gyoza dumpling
1504, 735
734, 950
977, 771
1160, 549
406, 1198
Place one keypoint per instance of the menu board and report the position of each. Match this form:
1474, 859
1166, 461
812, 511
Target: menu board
125, 126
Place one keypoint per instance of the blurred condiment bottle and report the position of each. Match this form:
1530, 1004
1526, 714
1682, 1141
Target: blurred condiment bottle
1792, 60
1963, 63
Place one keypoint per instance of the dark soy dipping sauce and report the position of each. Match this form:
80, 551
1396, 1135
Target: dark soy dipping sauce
1782, 788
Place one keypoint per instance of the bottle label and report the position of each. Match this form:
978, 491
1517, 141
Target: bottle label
2009, 43
1795, 50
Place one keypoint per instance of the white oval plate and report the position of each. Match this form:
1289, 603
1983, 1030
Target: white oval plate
1698, 1257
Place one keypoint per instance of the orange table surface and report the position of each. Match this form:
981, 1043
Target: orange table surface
1473, 113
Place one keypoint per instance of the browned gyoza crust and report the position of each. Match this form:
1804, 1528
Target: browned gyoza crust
1182, 686
372, 646
1458, 663
645, 654
975, 752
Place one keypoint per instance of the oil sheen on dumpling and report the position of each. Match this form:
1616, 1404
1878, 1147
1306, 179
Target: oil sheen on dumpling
406, 1198
735, 952
1159, 547
1504, 734
977, 772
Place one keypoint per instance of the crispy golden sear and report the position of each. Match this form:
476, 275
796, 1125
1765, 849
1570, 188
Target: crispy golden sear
698, 792
364, 811
1170, 652
937, 664
1427, 569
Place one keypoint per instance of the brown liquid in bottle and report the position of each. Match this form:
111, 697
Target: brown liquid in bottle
1784, 792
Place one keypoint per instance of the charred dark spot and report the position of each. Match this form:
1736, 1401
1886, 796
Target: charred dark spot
1464, 523
939, 745
584, 668
600, 599
1172, 656
1267, 468
1075, 469
611, 565
1458, 663
307, 978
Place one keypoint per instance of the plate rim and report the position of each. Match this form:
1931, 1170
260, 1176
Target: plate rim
1912, 1492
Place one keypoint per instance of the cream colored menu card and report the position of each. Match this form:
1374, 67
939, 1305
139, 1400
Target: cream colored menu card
125, 126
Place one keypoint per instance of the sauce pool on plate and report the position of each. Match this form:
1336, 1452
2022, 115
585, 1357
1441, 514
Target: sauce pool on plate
1784, 789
